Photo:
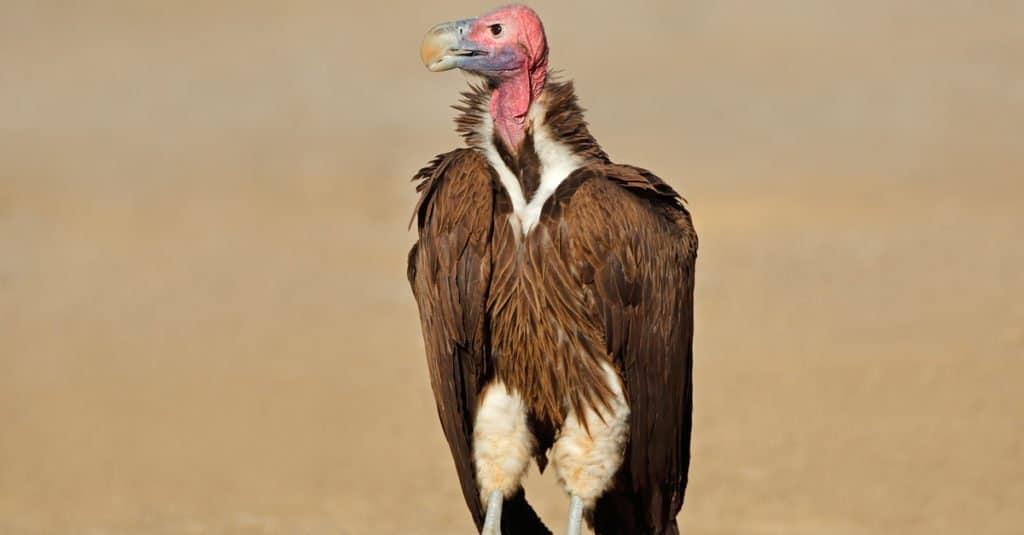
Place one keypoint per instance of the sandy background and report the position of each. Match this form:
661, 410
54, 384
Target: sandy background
204, 320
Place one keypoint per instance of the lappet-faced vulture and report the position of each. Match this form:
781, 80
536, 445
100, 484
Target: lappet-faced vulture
555, 291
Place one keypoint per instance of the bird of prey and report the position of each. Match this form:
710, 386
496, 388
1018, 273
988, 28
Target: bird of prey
555, 293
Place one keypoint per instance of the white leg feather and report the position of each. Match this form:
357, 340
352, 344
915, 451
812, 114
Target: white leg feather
587, 462
502, 442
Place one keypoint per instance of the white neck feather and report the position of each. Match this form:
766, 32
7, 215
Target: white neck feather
557, 162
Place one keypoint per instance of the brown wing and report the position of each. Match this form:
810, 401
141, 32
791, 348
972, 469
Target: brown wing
635, 249
450, 273
449, 270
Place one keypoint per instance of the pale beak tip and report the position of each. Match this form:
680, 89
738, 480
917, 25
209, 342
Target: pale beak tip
434, 52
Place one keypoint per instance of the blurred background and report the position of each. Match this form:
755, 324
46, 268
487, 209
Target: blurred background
205, 325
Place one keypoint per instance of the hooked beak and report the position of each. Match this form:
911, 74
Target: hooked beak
445, 45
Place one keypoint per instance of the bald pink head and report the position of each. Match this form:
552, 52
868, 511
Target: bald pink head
515, 32
507, 46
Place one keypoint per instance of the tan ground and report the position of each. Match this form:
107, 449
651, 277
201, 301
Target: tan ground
204, 322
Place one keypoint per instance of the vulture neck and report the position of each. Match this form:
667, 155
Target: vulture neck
554, 142
510, 105
533, 143
554, 112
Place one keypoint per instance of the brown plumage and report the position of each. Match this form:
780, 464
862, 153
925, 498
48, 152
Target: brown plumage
606, 276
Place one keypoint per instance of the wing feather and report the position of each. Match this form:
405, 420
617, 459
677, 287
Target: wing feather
632, 232
449, 270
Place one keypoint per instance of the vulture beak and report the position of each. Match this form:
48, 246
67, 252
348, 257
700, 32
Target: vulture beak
445, 45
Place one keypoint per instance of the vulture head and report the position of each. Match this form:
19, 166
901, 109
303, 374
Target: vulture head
500, 43
507, 47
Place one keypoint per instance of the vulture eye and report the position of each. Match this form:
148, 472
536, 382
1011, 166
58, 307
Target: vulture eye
495, 29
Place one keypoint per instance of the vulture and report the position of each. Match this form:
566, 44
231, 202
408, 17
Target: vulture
555, 294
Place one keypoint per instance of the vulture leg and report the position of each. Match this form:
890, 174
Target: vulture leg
588, 451
575, 516
492, 522
502, 449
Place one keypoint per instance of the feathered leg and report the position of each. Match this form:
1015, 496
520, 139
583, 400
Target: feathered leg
503, 446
